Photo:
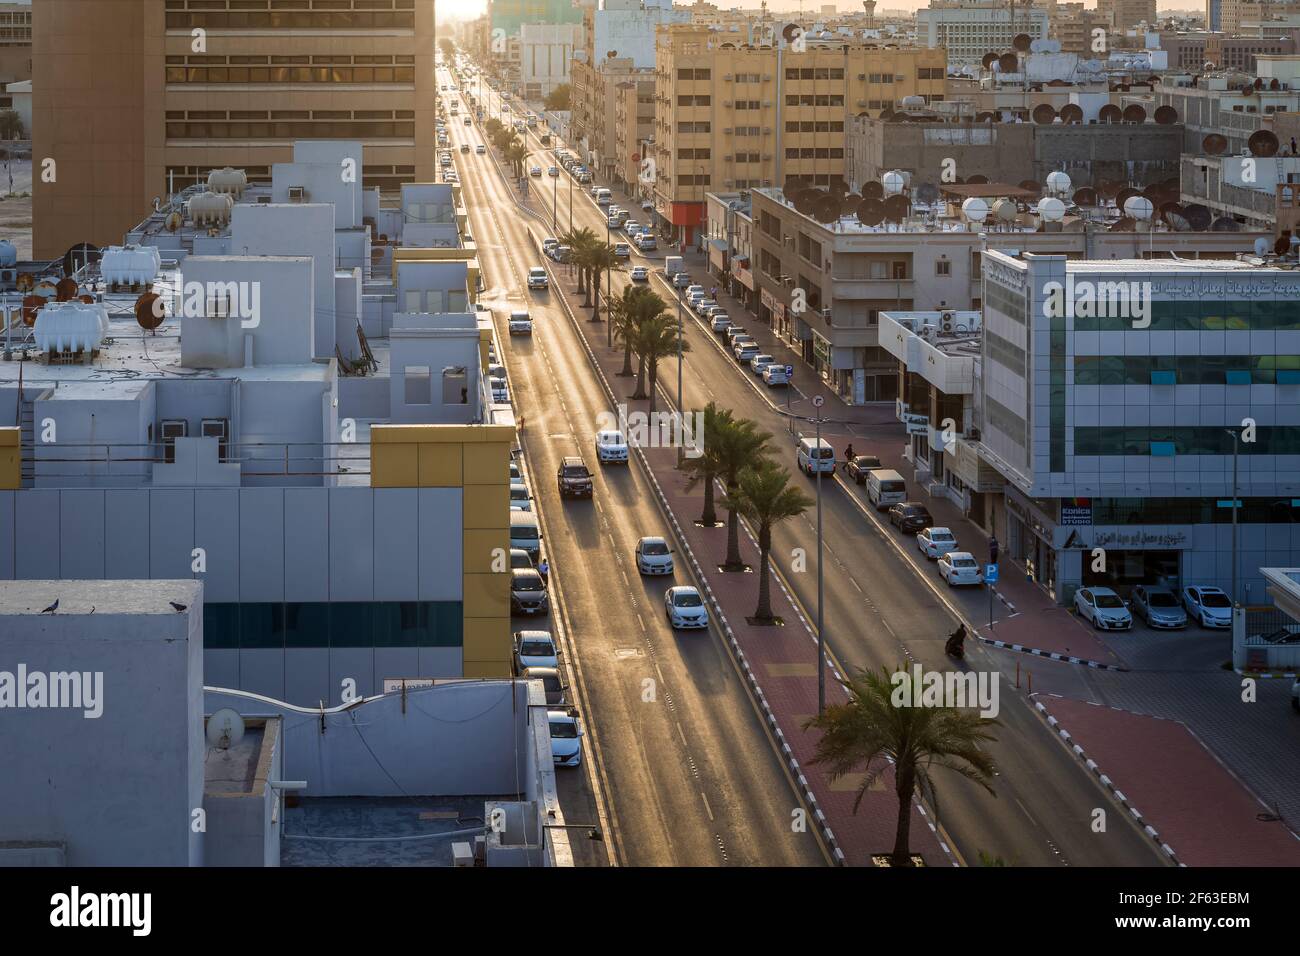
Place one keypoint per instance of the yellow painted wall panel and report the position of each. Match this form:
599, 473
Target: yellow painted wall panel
486, 595
440, 465
487, 506
394, 466
479, 544
486, 670
487, 463
487, 639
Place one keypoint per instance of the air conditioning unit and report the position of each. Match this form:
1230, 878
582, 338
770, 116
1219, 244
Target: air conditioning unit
767, 157
862, 76
766, 104
729, 182
264, 200
727, 131
947, 319
726, 104
170, 430
297, 194
728, 77
218, 428
862, 102
767, 131
767, 77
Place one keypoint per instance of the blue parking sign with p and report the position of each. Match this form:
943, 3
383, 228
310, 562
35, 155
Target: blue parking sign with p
991, 573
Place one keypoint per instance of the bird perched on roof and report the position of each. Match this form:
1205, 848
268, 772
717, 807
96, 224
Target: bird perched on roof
178, 608
52, 608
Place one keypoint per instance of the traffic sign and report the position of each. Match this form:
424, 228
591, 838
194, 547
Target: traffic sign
991, 573
789, 370
818, 401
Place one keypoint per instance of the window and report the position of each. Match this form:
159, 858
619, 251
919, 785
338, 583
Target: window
943, 267
418, 386
455, 387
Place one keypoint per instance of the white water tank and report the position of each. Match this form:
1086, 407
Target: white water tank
130, 264
71, 326
1005, 209
1051, 209
1138, 207
228, 180
893, 182
8, 254
206, 208
913, 102
975, 209
1058, 183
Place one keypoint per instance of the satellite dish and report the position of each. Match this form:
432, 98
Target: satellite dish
1138, 207
871, 212
1110, 113
1124, 195
1022, 42
78, 255
225, 729
1036, 46
975, 209
1134, 113
1051, 209
977, 180
1044, 114
927, 193
827, 209
1262, 246
1166, 115
1005, 210
1085, 196
897, 207
1282, 246
1197, 216
873, 190
1262, 143
174, 221
790, 31
149, 315
1008, 63
1072, 114
1031, 185
1225, 224
31, 305
65, 289
988, 60
1124, 224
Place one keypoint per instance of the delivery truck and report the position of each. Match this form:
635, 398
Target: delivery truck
672, 266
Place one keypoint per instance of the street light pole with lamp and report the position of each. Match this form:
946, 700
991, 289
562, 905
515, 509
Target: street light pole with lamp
818, 401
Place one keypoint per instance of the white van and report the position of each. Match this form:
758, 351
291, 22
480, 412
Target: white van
885, 488
524, 533
815, 455
603, 196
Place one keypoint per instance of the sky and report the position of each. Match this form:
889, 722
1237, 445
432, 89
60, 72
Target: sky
470, 9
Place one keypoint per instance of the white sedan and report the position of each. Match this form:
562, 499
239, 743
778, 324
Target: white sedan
1103, 609
936, 542
1208, 605
639, 274
960, 567
566, 738
611, 446
653, 556
760, 362
685, 608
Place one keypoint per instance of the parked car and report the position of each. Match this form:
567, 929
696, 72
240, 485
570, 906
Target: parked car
1157, 606
631, 226
566, 738
745, 350
960, 567
719, 321
885, 488
684, 607
527, 592
573, 478
555, 688
525, 533
859, 465
910, 516
732, 332
1209, 605
520, 498
611, 222
611, 446
646, 242
519, 558
775, 375
639, 274
759, 362
681, 280
534, 649
516, 473
701, 304
692, 290
653, 556
934, 543
1103, 609
1295, 695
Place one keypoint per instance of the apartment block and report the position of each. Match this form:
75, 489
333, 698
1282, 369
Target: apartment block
15, 42
734, 115
967, 29
1126, 14
130, 105
634, 124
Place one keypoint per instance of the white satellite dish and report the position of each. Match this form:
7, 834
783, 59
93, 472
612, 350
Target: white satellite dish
1262, 246
225, 729
1138, 207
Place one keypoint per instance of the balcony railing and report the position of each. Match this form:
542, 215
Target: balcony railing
134, 462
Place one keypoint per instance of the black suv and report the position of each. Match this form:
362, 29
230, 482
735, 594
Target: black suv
859, 465
910, 516
574, 479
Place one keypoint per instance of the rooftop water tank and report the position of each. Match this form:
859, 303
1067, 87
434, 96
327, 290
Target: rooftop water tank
8, 254
1005, 209
130, 264
1138, 207
71, 326
975, 209
213, 208
1051, 209
228, 180
1058, 183
893, 182
913, 102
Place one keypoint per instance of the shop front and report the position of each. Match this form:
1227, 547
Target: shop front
742, 282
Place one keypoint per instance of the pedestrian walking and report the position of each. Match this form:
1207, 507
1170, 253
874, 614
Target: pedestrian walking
993, 549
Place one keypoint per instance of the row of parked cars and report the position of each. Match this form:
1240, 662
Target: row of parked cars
1160, 607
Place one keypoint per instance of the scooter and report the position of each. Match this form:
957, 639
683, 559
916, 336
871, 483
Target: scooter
955, 646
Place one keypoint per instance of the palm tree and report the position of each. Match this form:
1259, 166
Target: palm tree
602, 260
738, 445
765, 497
516, 154
492, 127
580, 241
656, 339
869, 732
705, 468
627, 312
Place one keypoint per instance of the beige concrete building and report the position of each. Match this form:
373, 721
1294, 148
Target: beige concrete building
634, 123
15, 42
128, 102
731, 115
1124, 14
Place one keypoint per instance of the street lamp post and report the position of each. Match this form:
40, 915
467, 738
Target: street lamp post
818, 401
681, 406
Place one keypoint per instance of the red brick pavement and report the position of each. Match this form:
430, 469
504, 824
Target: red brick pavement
1197, 806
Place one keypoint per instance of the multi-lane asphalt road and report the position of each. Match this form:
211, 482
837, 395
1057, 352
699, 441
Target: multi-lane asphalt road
882, 607
679, 768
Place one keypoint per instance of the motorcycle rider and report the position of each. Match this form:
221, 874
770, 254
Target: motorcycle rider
956, 641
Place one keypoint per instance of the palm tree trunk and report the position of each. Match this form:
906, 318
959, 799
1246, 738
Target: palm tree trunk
587, 302
627, 361
595, 309
640, 380
764, 611
733, 534
710, 515
654, 375
903, 785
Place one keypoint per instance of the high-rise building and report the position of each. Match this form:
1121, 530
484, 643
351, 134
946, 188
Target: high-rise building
130, 103
733, 114
15, 42
968, 29
1125, 14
